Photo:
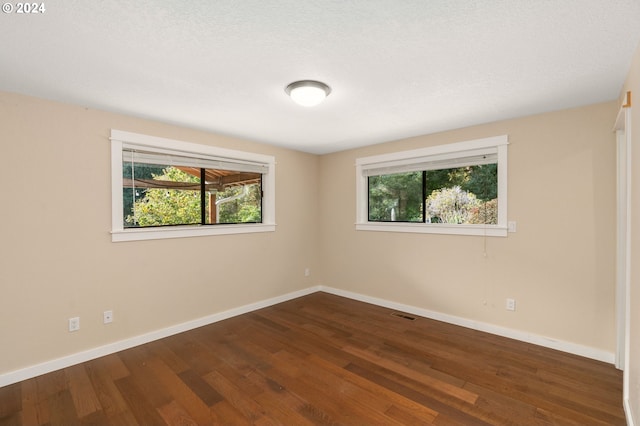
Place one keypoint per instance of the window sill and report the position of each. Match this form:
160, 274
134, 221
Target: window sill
187, 231
434, 228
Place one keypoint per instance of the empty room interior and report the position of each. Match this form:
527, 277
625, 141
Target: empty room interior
340, 212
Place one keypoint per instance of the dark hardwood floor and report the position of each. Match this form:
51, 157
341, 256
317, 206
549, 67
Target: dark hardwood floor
323, 359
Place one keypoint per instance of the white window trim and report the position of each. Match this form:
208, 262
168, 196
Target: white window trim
120, 139
439, 152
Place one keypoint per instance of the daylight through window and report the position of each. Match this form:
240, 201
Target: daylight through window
163, 188
458, 188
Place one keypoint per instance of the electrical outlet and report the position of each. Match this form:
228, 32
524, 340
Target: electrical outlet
74, 324
511, 304
107, 317
307, 272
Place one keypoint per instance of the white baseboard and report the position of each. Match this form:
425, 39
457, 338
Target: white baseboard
547, 342
66, 361
77, 358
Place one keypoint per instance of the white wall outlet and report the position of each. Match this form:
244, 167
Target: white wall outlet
511, 225
74, 324
307, 272
107, 317
511, 304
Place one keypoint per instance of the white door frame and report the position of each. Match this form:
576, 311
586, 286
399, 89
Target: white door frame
623, 240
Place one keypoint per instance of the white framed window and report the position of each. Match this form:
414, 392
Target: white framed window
165, 188
458, 188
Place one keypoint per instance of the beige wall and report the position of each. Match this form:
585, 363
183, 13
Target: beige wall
559, 265
633, 84
57, 259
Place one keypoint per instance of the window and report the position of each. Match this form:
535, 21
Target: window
458, 188
163, 188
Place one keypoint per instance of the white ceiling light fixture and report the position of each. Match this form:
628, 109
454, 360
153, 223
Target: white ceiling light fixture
308, 93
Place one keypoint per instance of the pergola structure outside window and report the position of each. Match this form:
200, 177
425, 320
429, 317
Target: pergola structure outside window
165, 188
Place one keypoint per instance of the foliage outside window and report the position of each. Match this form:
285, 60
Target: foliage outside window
164, 195
164, 189
458, 188
462, 195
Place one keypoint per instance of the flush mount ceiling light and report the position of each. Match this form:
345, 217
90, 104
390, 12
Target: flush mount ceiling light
308, 92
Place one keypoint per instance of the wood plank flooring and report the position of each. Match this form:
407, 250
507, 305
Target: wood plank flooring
324, 360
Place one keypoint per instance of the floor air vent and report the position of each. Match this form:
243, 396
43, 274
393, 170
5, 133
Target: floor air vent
404, 316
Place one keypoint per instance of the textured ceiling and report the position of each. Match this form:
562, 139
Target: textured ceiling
396, 68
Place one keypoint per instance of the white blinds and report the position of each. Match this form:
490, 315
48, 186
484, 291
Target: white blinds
433, 162
163, 157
